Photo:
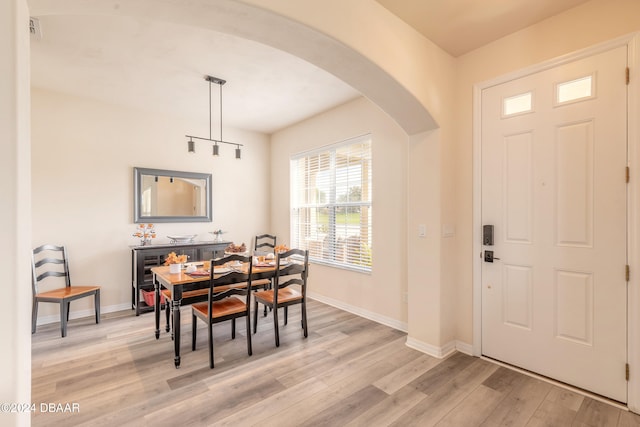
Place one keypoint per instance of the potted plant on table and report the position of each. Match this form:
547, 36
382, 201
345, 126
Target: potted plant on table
175, 262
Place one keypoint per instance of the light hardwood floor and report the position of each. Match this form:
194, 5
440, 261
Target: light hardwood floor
350, 371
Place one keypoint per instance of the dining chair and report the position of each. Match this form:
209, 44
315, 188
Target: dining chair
52, 261
222, 301
264, 243
289, 288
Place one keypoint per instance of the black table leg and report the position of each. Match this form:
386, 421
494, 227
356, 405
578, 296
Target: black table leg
176, 330
157, 307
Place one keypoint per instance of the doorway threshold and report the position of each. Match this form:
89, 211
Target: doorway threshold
580, 391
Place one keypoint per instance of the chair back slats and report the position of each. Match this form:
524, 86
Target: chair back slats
44, 261
267, 241
47, 248
295, 273
44, 267
51, 274
230, 278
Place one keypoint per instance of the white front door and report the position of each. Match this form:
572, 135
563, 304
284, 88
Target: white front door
554, 157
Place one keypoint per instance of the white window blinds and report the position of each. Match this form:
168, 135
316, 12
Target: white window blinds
331, 204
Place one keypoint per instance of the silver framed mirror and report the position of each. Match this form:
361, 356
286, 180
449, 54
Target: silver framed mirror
161, 195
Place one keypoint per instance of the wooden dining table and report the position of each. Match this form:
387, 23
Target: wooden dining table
182, 281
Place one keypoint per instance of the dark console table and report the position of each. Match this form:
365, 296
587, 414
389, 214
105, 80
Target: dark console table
143, 258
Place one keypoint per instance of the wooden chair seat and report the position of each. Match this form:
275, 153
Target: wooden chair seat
261, 283
193, 296
67, 292
220, 308
285, 295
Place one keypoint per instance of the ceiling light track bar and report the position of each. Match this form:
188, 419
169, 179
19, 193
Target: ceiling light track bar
219, 141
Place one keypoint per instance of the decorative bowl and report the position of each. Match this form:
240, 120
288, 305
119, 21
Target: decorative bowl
182, 239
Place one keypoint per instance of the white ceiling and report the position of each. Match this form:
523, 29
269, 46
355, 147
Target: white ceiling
157, 66
160, 67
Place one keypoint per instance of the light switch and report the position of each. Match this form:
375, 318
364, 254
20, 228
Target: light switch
422, 230
448, 230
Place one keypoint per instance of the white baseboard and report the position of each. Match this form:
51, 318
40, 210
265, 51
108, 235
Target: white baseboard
440, 352
53, 318
387, 321
464, 347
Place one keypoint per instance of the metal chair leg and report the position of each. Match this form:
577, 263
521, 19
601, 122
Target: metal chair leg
96, 302
210, 344
64, 315
34, 316
275, 326
304, 318
194, 333
248, 322
255, 317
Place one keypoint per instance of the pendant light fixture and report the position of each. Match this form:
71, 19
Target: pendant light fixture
216, 148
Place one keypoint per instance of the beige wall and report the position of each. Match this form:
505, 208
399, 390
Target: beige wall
378, 295
83, 155
15, 210
584, 26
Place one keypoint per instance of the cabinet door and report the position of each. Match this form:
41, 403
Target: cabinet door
210, 252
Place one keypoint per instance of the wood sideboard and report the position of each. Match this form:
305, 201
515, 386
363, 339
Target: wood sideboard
143, 258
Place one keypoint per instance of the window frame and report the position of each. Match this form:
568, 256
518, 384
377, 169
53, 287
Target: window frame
335, 249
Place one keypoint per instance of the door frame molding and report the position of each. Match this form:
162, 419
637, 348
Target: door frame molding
632, 41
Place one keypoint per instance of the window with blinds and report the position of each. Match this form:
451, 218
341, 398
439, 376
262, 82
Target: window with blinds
331, 204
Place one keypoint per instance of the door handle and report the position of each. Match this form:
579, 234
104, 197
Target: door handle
488, 256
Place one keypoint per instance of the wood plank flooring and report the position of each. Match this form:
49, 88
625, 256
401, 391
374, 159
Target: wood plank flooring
349, 371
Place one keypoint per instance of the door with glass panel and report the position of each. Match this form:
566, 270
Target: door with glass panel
554, 198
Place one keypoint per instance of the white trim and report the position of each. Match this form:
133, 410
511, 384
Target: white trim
384, 320
633, 300
633, 292
439, 352
53, 318
464, 347
432, 350
332, 146
477, 220
564, 59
